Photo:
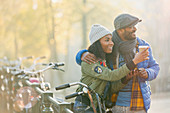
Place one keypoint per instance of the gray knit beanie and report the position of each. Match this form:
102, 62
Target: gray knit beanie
97, 31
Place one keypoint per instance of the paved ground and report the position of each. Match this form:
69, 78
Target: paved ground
160, 103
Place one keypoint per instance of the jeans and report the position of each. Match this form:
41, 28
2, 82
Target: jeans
124, 109
82, 105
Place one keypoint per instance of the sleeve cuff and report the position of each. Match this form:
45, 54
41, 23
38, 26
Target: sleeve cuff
78, 56
131, 65
148, 75
124, 81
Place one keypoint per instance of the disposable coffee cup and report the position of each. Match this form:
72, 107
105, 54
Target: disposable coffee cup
141, 48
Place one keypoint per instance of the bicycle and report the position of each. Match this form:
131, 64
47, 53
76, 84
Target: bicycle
87, 90
7, 79
35, 78
26, 82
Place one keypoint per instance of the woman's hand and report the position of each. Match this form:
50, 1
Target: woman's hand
141, 56
131, 74
128, 77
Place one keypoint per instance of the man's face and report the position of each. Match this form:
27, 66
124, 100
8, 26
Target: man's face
129, 33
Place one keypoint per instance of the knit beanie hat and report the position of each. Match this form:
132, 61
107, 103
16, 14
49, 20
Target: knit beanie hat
97, 31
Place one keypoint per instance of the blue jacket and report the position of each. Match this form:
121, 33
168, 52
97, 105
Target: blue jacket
152, 68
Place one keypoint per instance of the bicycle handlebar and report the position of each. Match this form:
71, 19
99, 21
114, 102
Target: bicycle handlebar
39, 71
56, 64
62, 86
24, 58
73, 84
38, 58
73, 95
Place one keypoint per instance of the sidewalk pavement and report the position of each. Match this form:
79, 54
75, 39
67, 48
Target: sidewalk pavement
160, 103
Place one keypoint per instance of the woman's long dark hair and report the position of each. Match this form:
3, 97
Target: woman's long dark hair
97, 50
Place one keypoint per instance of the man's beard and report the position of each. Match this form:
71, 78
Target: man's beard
128, 36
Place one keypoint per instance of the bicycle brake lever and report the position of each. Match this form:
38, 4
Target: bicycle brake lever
56, 68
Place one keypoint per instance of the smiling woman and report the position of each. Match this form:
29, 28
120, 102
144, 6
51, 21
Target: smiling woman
107, 43
101, 41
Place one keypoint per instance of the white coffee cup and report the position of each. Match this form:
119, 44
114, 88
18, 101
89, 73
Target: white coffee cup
141, 48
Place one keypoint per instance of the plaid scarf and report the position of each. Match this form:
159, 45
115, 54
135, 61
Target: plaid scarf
136, 98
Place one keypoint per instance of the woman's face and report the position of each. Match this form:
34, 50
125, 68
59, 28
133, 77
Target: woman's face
107, 43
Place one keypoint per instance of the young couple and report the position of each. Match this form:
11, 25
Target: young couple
115, 58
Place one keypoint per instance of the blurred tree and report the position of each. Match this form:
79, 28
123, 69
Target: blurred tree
53, 28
